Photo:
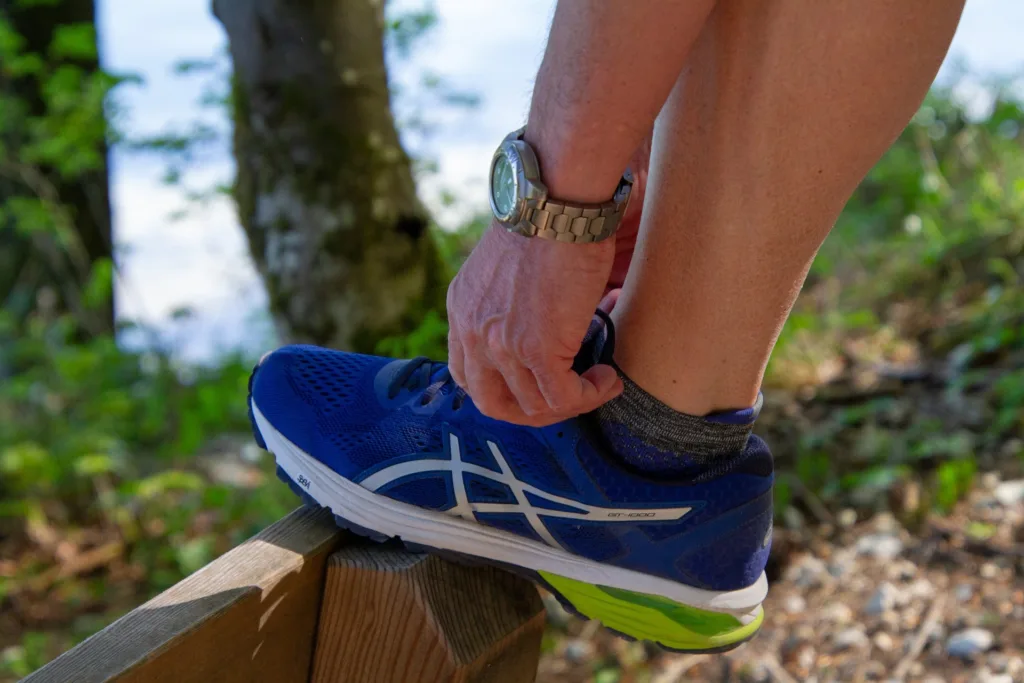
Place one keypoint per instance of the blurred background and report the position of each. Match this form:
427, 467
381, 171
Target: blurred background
180, 192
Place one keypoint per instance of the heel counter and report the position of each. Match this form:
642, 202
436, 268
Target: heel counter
736, 556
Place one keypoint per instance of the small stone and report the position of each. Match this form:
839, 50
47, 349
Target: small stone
557, 615
885, 522
903, 570
756, 672
936, 633
1015, 667
807, 572
909, 619
885, 598
805, 660
852, 638
986, 676
1010, 493
969, 643
921, 589
837, 613
847, 517
890, 620
579, 650
963, 592
883, 641
805, 632
989, 571
842, 562
792, 518
882, 546
989, 480
998, 662
794, 604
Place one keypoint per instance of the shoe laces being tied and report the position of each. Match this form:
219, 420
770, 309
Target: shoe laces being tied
433, 377
436, 379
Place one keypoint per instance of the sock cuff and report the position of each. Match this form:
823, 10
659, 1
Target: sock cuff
667, 429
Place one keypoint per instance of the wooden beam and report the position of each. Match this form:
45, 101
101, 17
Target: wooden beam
396, 617
248, 616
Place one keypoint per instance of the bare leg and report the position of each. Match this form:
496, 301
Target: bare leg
783, 108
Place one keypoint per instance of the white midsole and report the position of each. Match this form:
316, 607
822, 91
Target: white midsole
439, 530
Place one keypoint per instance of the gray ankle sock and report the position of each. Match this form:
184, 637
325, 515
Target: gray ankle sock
636, 416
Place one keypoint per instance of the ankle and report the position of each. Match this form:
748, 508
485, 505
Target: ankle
693, 389
654, 437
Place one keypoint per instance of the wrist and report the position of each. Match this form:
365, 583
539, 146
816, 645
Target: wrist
527, 247
574, 167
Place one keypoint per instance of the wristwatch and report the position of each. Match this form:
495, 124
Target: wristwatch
520, 202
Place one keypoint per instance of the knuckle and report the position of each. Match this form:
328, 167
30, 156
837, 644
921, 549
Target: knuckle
470, 340
531, 350
496, 344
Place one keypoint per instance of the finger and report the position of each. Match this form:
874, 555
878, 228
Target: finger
572, 394
523, 386
609, 300
606, 382
456, 358
491, 395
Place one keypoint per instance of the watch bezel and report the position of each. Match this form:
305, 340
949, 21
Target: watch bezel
529, 190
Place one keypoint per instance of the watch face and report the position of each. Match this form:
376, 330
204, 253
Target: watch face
503, 185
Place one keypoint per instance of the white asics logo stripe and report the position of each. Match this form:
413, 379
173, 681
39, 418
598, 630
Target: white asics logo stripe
465, 509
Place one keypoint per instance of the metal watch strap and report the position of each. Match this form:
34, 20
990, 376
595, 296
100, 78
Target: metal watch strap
556, 221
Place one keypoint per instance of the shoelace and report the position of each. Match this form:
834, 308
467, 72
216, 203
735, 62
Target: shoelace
423, 373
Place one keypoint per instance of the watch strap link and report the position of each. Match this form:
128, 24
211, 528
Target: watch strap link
575, 224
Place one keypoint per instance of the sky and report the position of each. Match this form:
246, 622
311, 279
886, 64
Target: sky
491, 49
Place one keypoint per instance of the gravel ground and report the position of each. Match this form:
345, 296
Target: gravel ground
853, 600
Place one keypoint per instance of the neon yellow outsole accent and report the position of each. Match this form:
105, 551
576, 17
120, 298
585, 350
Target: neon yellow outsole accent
654, 618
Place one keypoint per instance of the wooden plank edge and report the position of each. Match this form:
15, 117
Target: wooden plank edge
155, 628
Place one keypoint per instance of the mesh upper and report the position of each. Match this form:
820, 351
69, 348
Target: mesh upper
327, 404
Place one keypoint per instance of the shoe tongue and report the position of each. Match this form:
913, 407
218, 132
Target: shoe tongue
598, 345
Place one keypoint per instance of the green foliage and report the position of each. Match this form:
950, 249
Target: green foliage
923, 269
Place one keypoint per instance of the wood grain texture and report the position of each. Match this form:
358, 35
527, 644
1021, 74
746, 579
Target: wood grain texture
392, 616
248, 616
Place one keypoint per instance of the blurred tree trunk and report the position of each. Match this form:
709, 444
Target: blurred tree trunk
45, 268
324, 189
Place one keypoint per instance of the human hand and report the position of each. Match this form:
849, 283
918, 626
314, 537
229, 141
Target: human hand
518, 311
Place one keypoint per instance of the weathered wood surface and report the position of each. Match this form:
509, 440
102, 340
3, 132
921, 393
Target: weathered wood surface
303, 601
249, 616
389, 615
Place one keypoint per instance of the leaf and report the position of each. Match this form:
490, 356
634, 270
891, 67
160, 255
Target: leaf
100, 287
74, 41
169, 480
94, 464
194, 554
189, 66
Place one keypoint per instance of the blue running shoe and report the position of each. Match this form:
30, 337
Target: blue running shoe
395, 449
